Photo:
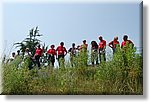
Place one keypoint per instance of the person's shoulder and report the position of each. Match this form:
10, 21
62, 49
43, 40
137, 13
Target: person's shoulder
123, 42
64, 48
58, 47
103, 40
130, 41
52, 50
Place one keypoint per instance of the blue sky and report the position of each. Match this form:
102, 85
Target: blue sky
71, 22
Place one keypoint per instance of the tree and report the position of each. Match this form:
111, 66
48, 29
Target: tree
30, 42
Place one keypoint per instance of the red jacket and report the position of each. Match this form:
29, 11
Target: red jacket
51, 51
102, 44
114, 43
125, 42
38, 51
61, 50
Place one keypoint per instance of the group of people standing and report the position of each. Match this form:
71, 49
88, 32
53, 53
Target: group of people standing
97, 51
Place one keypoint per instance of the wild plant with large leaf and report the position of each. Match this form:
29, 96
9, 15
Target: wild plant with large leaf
31, 41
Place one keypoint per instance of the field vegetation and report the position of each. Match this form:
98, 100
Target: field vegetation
122, 75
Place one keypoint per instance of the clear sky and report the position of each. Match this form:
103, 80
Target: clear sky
71, 22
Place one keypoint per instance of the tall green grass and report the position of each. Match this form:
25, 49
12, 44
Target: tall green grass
122, 75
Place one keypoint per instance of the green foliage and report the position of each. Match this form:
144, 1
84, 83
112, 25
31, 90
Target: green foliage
30, 42
122, 75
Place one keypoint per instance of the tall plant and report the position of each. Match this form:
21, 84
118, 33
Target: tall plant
31, 41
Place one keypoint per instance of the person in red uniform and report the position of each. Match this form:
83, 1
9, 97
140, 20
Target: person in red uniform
37, 55
61, 52
113, 44
126, 42
102, 47
52, 53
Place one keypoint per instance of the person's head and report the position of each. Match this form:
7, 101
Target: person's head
27, 50
125, 37
78, 47
100, 38
92, 42
62, 43
18, 52
13, 54
73, 44
52, 46
115, 38
84, 41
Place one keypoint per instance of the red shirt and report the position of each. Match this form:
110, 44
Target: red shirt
102, 44
51, 51
39, 51
114, 43
61, 50
125, 42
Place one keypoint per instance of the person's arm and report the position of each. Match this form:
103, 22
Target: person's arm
80, 47
69, 50
65, 51
110, 44
122, 45
56, 53
118, 44
86, 45
98, 47
130, 42
104, 45
57, 49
